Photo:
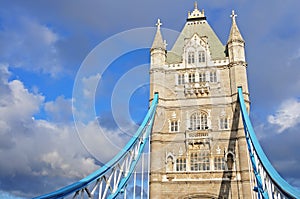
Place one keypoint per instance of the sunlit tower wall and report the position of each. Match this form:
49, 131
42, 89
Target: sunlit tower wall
198, 146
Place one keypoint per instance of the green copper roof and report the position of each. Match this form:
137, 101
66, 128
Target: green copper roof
202, 28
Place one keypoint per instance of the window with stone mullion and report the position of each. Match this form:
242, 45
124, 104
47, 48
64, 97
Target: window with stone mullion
213, 76
203, 121
181, 79
199, 161
192, 77
181, 164
174, 126
202, 77
198, 121
219, 163
191, 57
224, 123
201, 56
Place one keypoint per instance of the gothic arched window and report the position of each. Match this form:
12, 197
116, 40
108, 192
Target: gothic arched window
198, 121
169, 163
230, 161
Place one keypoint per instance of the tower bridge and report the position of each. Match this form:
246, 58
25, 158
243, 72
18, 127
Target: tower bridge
201, 140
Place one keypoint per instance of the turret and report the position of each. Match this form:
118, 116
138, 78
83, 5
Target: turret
158, 49
236, 43
158, 59
237, 61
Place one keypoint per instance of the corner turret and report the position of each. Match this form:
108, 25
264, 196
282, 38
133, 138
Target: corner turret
158, 49
236, 43
158, 60
237, 61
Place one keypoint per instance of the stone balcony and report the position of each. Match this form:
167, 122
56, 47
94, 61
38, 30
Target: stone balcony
197, 136
197, 88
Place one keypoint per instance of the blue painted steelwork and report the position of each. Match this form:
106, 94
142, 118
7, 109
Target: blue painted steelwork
150, 121
141, 136
274, 185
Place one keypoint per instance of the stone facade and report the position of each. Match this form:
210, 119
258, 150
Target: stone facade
198, 147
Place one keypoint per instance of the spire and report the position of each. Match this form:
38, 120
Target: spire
235, 34
158, 42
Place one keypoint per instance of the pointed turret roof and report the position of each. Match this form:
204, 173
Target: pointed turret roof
235, 34
158, 42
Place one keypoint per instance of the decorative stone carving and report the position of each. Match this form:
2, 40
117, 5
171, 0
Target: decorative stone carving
197, 89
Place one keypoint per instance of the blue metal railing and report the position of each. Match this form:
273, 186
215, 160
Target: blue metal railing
132, 151
269, 183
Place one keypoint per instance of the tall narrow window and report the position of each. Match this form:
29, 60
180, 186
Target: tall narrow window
202, 77
198, 121
174, 126
219, 163
192, 78
224, 123
200, 161
204, 121
180, 79
181, 164
201, 56
213, 76
191, 57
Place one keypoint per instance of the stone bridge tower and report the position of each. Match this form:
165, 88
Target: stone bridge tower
198, 147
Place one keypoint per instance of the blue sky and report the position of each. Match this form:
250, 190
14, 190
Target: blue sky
44, 49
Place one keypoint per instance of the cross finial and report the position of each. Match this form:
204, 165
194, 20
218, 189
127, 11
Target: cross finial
233, 15
158, 24
196, 6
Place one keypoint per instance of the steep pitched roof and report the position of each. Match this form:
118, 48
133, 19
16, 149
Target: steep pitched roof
197, 24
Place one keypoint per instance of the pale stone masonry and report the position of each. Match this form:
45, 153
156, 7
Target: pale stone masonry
198, 147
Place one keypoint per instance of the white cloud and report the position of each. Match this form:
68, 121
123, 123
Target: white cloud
287, 116
16, 101
59, 165
59, 110
90, 85
102, 143
31, 45
37, 151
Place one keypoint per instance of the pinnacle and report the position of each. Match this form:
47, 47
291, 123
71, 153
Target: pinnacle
235, 34
158, 42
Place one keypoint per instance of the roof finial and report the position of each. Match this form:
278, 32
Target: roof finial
233, 15
158, 24
196, 6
